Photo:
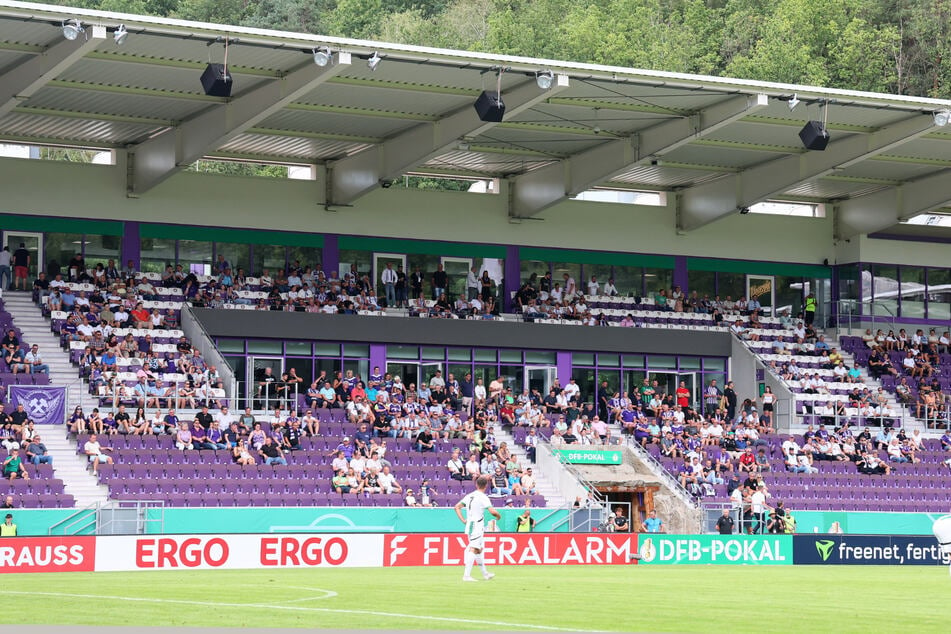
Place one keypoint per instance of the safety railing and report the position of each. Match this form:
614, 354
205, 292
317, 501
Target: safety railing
661, 473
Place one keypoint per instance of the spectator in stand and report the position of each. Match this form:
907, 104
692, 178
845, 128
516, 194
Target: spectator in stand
271, 453
96, 453
618, 522
13, 466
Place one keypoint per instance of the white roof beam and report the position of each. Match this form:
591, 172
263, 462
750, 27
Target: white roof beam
156, 159
539, 189
350, 178
703, 204
883, 209
26, 79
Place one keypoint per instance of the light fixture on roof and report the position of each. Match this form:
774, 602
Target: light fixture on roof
544, 78
322, 55
120, 35
374, 60
72, 29
793, 101
942, 117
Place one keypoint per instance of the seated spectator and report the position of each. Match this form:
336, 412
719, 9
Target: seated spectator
271, 453
95, 453
13, 466
242, 455
183, 438
870, 464
388, 482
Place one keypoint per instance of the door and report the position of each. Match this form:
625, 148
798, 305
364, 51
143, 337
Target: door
264, 398
763, 289
456, 269
33, 243
540, 377
428, 370
380, 260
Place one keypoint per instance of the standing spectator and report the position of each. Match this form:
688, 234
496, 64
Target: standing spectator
759, 508
416, 283
401, 283
440, 281
810, 309
388, 279
21, 266
525, 522
8, 528
472, 284
618, 522
652, 524
5, 259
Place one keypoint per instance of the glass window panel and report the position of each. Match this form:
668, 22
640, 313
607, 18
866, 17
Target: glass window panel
714, 364
849, 282
582, 358
703, 283
359, 367
60, 248
885, 290
303, 366
629, 280
585, 377
659, 361
402, 352
459, 354
264, 347
485, 372
538, 356
483, 355
731, 286
939, 294
195, 256
513, 377
356, 350
601, 272
788, 294
361, 261
560, 269
230, 345
238, 256
537, 267
656, 279
156, 254
329, 366
434, 354
269, 257
613, 377
306, 256
327, 349
297, 347
511, 356
633, 361
913, 292
496, 269
102, 249
458, 371
238, 364
609, 360
633, 379
689, 363
427, 266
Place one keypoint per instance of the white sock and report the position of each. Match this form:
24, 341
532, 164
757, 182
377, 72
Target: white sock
481, 561
469, 558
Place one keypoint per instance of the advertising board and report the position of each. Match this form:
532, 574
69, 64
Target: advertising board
716, 549
48, 554
868, 550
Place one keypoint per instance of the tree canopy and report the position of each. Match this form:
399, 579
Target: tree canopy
893, 46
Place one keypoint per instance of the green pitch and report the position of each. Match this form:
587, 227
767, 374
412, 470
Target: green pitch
540, 598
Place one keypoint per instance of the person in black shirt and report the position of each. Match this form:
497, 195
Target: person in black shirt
424, 440
416, 283
725, 523
730, 393
440, 281
618, 522
400, 287
21, 264
18, 418
204, 417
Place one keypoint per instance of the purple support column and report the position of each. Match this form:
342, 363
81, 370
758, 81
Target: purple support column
131, 248
680, 272
377, 357
513, 274
331, 255
563, 361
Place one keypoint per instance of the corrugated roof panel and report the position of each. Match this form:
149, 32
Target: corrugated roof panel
336, 123
291, 147
110, 73
832, 189
114, 104
715, 155
344, 95
74, 130
487, 163
662, 178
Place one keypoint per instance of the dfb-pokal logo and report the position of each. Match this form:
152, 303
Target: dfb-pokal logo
648, 551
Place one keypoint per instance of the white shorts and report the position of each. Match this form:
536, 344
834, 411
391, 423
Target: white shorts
477, 536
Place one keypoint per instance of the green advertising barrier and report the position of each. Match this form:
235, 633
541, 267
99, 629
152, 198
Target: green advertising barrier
335, 520
757, 550
590, 456
38, 522
866, 523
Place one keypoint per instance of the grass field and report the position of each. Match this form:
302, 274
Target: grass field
541, 598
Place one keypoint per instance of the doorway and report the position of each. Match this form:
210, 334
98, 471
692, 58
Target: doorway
380, 260
457, 269
265, 397
540, 377
33, 242
763, 289
413, 372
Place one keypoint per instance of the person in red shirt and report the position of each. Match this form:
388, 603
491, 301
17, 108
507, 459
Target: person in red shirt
141, 317
683, 395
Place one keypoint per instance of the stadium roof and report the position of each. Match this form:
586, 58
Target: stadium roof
722, 144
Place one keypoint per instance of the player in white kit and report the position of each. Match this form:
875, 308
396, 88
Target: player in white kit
476, 504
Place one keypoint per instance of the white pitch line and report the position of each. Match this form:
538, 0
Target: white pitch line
421, 617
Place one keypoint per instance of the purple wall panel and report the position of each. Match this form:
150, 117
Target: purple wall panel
131, 248
331, 254
377, 357
513, 274
563, 362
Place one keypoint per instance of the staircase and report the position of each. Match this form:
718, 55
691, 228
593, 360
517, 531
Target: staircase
68, 466
553, 497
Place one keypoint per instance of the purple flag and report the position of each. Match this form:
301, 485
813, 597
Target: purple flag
45, 405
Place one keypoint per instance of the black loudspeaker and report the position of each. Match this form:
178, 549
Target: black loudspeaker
490, 107
216, 81
814, 136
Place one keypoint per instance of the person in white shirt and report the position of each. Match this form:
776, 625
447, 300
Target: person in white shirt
593, 286
472, 284
572, 389
759, 507
388, 483
476, 505
388, 278
609, 289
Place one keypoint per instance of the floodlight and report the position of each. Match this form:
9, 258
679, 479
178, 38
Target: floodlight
544, 78
72, 29
120, 35
322, 55
942, 117
793, 102
374, 60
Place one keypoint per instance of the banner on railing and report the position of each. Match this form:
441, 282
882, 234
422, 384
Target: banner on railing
869, 550
45, 405
716, 549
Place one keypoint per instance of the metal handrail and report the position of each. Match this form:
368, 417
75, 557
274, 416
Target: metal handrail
92, 508
567, 466
658, 469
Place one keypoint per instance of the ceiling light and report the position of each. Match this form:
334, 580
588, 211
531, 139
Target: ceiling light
793, 102
72, 29
322, 55
374, 60
120, 35
544, 79
942, 117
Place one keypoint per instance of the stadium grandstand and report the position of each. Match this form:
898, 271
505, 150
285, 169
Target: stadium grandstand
278, 269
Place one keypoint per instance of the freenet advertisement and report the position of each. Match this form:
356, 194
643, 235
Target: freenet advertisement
869, 550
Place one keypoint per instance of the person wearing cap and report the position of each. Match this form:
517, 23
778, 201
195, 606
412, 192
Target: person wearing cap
8, 528
37, 453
